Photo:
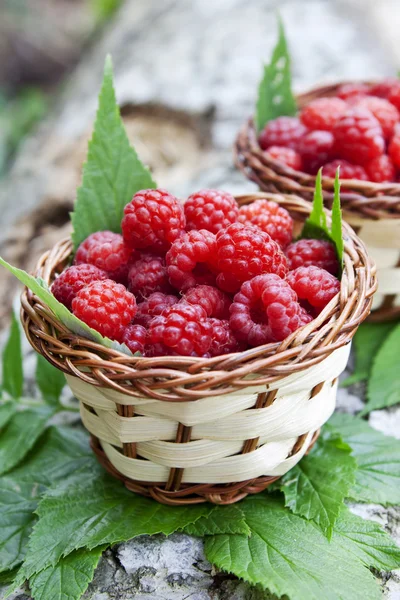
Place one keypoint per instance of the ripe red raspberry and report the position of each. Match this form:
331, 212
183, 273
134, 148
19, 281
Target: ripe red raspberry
265, 310
189, 259
271, 218
319, 253
152, 219
383, 111
348, 90
394, 150
316, 149
210, 209
223, 340
313, 285
283, 131
244, 251
184, 328
322, 113
384, 87
112, 255
394, 95
94, 239
358, 136
105, 306
73, 279
286, 156
154, 306
134, 336
347, 170
148, 275
381, 169
215, 302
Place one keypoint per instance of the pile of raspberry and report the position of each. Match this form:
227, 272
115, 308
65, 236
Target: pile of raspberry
358, 130
200, 278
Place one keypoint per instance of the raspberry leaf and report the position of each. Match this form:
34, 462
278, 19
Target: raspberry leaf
275, 96
112, 173
223, 519
336, 227
13, 377
50, 381
6, 412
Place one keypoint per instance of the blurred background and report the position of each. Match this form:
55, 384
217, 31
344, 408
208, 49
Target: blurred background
186, 74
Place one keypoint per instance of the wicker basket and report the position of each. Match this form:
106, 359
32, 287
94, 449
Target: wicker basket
187, 430
372, 209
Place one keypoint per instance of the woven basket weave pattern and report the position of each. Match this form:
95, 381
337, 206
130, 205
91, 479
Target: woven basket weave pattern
186, 430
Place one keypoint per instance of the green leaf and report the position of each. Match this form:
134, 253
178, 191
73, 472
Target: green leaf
69, 579
6, 412
384, 382
336, 227
275, 96
367, 341
13, 377
317, 486
288, 555
20, 435
112, 173
8, 576
89, 513
50, 381
378, 460
40, 288
367, 541
223, 519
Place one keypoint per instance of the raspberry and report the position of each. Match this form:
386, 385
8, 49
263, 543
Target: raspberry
105, 306
322, 113
148, 275
134, 336
244, 251
381, 169
96, 239
347, 170
317, 253
313, 285
394, 95
152, 219
223, 340
358, 136
215, 303
287, 156
265, 310
73, 279
111, 255
183, 328
348, 90
384, 87
316, 149
153, 306
394, 150
283, 131
271, 218
385, 113
189, 259
210, 209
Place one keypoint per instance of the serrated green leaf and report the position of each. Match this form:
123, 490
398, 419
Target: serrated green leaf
40, 288
336, 227
223, 519
317, 486
275, 96
20, 435
69, 579
50, 381
13, 377
7, 577
384, 382
366, 540
367, 341
6, 412
288, 555
378, 460
112, 173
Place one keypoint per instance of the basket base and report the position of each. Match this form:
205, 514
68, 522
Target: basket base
227, 493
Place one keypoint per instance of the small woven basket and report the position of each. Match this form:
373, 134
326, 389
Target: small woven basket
372, 209
187, 430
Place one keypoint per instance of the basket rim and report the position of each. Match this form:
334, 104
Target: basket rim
193, 377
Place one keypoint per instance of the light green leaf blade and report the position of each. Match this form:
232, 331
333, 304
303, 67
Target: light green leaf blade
384, 382
223, 519
316, 226
50, 381
69, 579
112, 173
367, 341
366, 540
13, 377
336, 227
290, 556
6, 412
378, 460
275, 96
20, 435
317, 486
